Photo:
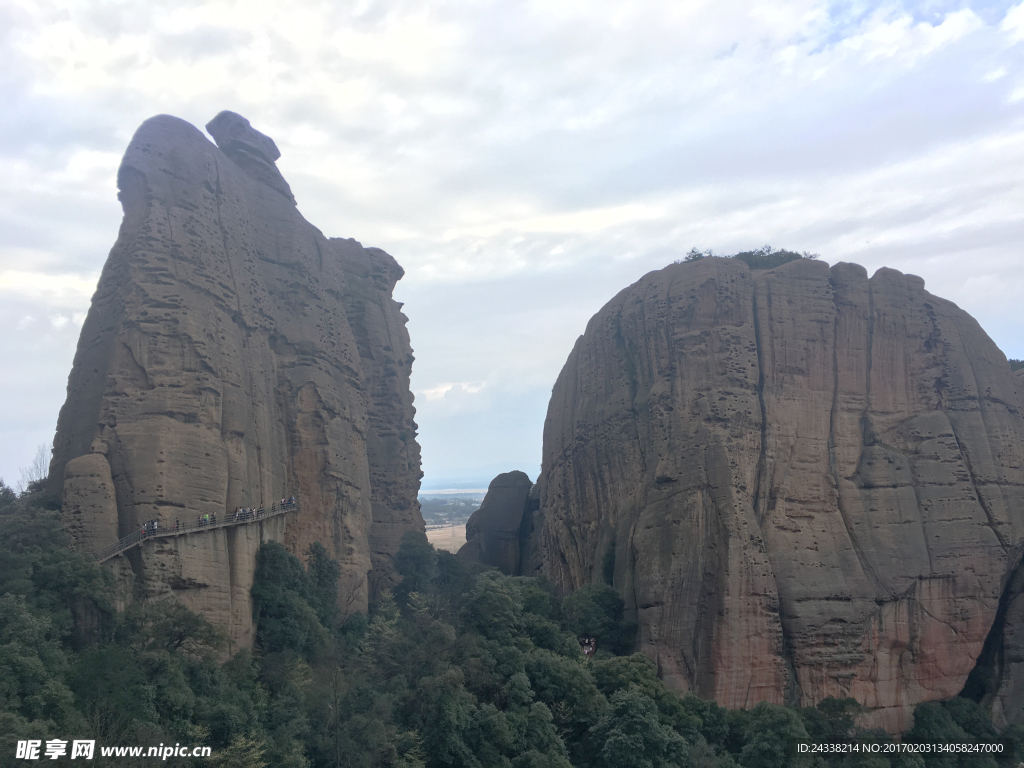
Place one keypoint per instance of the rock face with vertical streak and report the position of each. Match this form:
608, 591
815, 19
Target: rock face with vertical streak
813, 482
232, 356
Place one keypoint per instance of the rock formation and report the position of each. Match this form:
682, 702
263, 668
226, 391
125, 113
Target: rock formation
233, 356
813, 483
498, 534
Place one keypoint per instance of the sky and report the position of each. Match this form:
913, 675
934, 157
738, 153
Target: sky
524, 161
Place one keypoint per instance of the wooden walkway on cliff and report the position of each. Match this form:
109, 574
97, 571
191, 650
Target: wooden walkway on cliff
199, 526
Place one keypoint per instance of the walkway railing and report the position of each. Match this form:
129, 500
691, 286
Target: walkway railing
196, 526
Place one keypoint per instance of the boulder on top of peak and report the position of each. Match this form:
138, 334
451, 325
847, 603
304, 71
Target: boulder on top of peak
230, 128
252, 151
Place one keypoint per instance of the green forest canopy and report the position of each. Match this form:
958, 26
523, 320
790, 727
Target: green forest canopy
460, 667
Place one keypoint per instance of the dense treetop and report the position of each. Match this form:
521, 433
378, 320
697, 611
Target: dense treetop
459, 667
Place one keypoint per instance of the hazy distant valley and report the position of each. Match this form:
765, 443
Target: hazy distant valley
446, 517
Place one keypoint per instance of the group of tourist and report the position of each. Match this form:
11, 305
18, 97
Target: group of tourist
242, 514
248, 513
150, 528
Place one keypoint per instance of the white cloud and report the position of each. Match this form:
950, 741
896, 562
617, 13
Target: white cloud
46, 287
581, 222
436, 393
542, 155
88, 174
442, 390
1013, 24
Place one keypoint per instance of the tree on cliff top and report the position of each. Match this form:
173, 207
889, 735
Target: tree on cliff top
764, 257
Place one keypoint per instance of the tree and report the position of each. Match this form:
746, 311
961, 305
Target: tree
36, 472
567, 689
244, 752
767, 257
32, 664
637, 671
832, 719
714, 720
595, 610
7, 496
957, 721
170, 626
630, 735
112, 688
283, 595
288, 678
69, 588
493, 608
324, 573
444, 713
770, 733
416, 562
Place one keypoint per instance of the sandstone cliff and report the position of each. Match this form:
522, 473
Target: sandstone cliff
813, 483
232, 356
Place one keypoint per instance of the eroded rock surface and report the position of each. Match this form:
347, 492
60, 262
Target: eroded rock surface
233, 356
89, 508
813, 481
210, 572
